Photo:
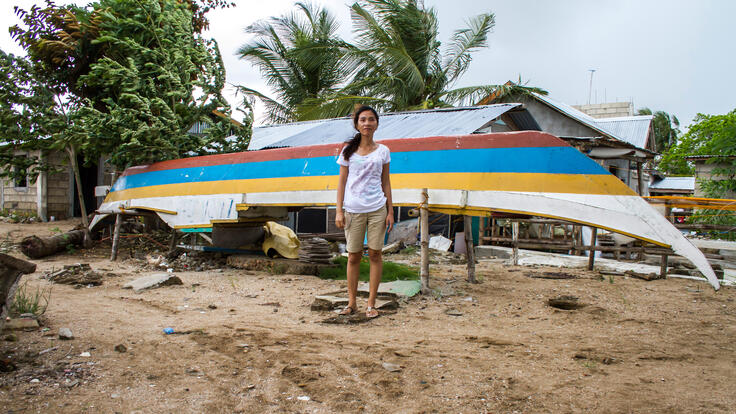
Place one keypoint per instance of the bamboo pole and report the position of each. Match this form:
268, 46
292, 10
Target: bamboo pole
116, 237
591, 254
469, 248
424, 228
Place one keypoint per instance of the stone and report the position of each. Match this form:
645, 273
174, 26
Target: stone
65, 333
153, 281
11, 337
453, 312
390, 304
391, 367
85, 354
120, 348
21, 324
326, 303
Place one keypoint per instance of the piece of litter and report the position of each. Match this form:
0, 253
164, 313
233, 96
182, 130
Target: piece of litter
391, 367
35, 380
85, 354
303, 398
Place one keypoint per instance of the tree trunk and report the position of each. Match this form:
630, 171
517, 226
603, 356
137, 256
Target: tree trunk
87, 241
36, 247
11, 270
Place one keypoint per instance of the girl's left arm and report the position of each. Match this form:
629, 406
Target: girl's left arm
386, 184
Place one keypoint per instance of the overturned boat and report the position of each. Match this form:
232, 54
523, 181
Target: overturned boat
526, 172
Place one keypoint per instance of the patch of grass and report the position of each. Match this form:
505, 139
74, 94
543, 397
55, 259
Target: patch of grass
391, 271
409, 250
29, 301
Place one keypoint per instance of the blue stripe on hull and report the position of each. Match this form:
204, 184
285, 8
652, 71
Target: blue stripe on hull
549, 160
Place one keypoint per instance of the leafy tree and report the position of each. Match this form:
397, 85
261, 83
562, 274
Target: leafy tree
714, 136
35, 118
142, 75
666, 128
300, 56
398, 63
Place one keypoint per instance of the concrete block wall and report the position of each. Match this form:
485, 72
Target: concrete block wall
58, 190
607, 110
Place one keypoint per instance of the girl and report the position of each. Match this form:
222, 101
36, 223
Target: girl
364, 192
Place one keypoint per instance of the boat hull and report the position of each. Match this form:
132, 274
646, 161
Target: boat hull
520, 172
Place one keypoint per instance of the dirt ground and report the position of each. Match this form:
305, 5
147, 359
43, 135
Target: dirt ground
249, 343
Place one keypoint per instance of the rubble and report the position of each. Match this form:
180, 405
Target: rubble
315, 250
153, 281
80, 274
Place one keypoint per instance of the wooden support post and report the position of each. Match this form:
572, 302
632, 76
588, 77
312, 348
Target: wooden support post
663, 267
481, 230
174, 239
639, 179
424, 229
116, 237
591, 253
515, 240
469, 248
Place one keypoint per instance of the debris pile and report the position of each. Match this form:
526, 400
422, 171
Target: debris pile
315, 250
191, 261
80, 274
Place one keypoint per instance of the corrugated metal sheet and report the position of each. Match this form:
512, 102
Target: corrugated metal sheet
674, 183
632, 129
414, 124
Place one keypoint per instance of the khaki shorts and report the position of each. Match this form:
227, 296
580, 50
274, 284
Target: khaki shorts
356, 225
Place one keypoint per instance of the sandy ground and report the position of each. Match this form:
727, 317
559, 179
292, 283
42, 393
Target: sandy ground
251, 344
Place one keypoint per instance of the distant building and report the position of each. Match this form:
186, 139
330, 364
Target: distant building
607, 110
704, 166
623, 144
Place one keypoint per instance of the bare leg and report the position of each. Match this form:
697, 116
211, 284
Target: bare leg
376, 260
353, 275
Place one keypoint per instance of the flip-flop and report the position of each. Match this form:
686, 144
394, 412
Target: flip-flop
371, 312
348, 310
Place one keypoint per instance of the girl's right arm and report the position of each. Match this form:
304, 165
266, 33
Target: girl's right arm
339, 216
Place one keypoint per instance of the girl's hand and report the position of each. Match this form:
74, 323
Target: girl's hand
389, 221
340, 219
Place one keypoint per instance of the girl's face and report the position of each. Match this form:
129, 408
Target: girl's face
367, 123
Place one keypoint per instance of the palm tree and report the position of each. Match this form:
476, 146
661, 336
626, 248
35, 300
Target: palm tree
398, 63
666, 128
299, 55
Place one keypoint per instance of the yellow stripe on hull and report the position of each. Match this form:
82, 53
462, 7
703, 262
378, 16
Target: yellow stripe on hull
521, 182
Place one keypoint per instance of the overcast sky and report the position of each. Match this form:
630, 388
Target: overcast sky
669, 55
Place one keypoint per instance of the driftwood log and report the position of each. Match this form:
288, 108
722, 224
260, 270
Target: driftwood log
36, 247
10, 271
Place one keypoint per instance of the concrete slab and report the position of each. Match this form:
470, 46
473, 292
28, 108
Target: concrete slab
153, 281
404, 288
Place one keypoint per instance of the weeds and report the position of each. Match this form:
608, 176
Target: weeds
391, 271
29, 301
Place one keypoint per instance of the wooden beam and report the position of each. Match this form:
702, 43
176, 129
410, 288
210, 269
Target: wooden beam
116, 237
424, 238
469, 248
591, 255
515, 237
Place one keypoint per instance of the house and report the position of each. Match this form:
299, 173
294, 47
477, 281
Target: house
622, 144
704, 171
671, 186
413, 124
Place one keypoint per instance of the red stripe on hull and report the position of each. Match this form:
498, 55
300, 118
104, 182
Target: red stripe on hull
500, 140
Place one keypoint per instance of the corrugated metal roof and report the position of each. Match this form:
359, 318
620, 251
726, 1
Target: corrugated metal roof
414, 124
674, 183
629, 129
632, 129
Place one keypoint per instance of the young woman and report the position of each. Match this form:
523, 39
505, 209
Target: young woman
364, 193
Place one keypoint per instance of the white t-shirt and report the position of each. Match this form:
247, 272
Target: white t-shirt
363, 190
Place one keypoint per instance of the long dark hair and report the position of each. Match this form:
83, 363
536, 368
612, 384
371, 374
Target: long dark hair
354, 143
